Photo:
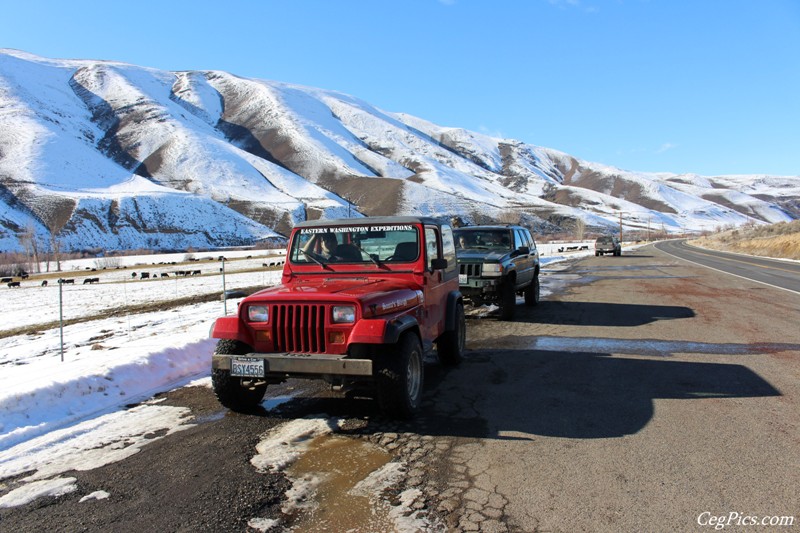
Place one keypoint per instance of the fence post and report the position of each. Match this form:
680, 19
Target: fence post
61, 316
224, 295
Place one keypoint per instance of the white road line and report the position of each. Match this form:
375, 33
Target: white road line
725, 272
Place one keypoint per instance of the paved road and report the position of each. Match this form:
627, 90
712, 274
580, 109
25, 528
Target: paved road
647, 392
774, 272
642, 395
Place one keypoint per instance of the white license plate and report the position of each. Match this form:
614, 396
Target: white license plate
247, 367
462, 279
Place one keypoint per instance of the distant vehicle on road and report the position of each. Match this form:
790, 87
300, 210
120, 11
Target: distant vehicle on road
607, 244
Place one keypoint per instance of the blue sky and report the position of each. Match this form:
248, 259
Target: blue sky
703, 86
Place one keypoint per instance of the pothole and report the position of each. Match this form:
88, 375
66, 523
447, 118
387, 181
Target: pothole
327, 477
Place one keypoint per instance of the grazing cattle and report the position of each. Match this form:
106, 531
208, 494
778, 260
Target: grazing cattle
6, 280
44, 283
164, 275
196, 273
91, 280
14, 284
133, 275
67, 281
144, 275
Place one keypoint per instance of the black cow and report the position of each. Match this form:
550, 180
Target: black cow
44, 283
6, 280
14, 284
144, 275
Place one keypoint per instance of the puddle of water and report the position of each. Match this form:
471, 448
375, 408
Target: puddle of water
336, 465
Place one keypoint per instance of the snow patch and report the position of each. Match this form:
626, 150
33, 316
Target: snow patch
46, 487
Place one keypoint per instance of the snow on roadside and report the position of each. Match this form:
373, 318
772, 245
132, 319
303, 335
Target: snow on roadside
37, 489
107, 363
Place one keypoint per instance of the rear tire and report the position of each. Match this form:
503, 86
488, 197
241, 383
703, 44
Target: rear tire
230, 391
532, 293
399, 377
451, 343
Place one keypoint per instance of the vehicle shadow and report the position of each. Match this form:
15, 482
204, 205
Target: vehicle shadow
524, 394
520, 394
601, 313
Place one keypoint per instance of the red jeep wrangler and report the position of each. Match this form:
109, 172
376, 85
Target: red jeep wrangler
362, 301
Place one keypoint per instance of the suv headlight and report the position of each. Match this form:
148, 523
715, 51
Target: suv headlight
492, 269
258, 313
344, 314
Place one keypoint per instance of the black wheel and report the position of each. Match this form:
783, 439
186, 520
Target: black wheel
399, 376
451, 343
237, 394
508, 300
532, 292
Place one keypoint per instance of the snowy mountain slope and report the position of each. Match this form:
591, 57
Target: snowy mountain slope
108, 155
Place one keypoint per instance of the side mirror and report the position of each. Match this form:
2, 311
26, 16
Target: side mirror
438, 264
524, 250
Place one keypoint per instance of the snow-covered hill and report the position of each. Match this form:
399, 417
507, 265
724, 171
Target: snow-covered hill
97, 154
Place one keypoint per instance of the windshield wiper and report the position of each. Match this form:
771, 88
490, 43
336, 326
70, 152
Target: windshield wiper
372, 257
318, 260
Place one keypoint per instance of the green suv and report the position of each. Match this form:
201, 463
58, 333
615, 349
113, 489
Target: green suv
495, 263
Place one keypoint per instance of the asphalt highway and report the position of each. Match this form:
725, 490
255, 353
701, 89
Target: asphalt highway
772, 272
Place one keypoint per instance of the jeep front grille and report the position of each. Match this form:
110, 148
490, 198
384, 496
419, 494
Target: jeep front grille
298, 328
470, 269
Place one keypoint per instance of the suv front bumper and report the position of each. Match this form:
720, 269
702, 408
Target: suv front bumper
478, 285
301, 363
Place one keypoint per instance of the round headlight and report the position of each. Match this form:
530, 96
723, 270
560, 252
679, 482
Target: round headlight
258, 313
344, 314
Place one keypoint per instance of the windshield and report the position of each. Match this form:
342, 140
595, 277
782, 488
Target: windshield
356, 244
497, 239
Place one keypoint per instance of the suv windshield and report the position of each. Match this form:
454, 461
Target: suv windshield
356, 244
498, 239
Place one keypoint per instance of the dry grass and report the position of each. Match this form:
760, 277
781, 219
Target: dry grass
776, 240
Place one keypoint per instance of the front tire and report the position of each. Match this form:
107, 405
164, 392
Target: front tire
399, 377
232, 392
451, 344
508, 300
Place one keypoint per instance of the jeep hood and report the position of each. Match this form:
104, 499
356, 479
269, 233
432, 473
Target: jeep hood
377, 296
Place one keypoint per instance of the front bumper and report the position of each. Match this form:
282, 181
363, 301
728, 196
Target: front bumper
478, 285
300, 363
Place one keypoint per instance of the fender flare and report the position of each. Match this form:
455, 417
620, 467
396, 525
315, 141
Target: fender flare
398, 326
